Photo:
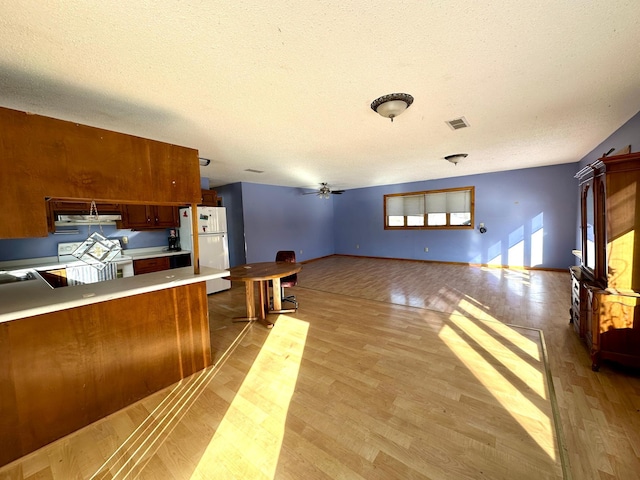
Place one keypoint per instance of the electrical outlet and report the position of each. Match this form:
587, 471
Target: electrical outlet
300, 252
357, 245
125, 240
426, 249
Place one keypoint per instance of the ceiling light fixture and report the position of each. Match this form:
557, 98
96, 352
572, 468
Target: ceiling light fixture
204, 161
392, 105
456, 157
324, 192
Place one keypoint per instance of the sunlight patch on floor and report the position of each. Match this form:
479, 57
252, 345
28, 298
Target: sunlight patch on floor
527, 373
134, 452
526, 345
535, 422
248, 440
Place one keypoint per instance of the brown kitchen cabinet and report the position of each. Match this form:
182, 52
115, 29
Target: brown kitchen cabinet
209, 198
66, 207
157, 264
148, 217
148, 265
606, 292
179, 261
74, 161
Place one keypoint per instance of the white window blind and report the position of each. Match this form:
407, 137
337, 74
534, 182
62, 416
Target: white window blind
395, 206
436, 202
448, 202
451, 207
459, 202
414, 205
405, 205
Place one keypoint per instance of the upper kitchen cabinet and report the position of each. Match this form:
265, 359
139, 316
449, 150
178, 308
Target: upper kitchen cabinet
42, 158
57, 207
209, 198
149, 217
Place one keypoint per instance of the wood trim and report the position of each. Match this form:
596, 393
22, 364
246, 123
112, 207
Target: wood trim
421, 192
435, 227
195, 238
471, 188
317, 258
486, 265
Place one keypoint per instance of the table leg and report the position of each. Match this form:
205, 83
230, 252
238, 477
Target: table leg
264, 303
277, 299
262, 300
250, 299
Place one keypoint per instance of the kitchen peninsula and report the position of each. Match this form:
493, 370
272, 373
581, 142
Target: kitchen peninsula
75, 354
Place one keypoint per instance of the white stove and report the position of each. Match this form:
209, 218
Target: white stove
79, 272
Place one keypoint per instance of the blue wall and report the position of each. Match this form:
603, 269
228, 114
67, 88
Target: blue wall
281, 218
232, 200
521, 209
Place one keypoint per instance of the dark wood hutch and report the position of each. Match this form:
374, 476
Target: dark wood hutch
605, 307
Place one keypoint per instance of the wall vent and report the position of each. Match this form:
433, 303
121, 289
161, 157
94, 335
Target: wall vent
252, 170
458, 123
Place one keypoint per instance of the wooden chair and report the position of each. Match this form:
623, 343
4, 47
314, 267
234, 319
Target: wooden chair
291, 280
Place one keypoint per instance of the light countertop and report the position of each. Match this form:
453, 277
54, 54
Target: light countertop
35, 297
152, 252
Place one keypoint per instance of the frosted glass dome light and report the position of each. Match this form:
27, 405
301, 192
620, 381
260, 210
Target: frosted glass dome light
392, 105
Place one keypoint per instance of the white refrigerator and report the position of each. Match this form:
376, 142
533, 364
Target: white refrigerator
212, 240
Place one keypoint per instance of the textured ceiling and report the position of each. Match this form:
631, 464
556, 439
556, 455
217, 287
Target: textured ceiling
285, 88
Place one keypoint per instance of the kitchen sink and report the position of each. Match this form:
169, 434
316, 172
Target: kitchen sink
54, 277
16, 276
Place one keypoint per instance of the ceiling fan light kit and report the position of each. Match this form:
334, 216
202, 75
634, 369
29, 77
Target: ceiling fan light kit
456, 157
325, 192
392, 105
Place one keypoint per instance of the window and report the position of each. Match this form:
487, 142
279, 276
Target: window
451, 208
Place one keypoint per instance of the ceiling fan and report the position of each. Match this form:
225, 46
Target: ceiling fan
324, 191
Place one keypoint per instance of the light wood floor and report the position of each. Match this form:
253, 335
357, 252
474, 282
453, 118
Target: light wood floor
389, 369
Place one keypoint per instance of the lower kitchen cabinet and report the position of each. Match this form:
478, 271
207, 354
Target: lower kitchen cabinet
148, 265
157, 264
179, 261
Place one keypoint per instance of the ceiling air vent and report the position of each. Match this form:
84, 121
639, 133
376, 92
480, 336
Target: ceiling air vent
253, 170
458, 123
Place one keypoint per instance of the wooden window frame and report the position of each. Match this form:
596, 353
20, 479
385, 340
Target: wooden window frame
448, 225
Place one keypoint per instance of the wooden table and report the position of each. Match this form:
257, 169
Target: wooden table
260, 273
